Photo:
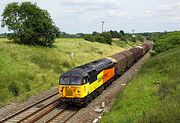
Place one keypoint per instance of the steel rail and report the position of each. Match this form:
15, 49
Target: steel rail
59, 113
49, 106
22, 110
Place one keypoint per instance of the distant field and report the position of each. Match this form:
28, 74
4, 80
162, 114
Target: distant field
124, 44
153, 96
27, 70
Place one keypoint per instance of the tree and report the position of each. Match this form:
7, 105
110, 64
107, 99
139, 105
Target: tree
121, 32
30, 24
94, 33
114, 34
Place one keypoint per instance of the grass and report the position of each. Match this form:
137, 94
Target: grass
28, 70
124, 44
153, 96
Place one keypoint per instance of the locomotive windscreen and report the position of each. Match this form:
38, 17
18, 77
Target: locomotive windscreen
71, 80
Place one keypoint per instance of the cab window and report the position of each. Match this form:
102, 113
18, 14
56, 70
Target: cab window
85, 80
70, 80
93, 78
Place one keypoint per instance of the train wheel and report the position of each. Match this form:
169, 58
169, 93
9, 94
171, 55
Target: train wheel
85, 103
95, 94
90, 98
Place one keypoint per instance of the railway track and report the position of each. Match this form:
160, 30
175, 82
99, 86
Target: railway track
30, 109
64, 115
47, 110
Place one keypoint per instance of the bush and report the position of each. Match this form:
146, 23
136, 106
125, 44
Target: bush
122, 38
102, 38
14, 89
99, 38
107, 38
89, 37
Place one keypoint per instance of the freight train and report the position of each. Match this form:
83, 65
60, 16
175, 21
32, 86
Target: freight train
82, 84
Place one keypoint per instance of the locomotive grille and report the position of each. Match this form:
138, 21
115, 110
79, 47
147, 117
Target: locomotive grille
69, 92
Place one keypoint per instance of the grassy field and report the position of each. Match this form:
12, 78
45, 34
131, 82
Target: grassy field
124, 44
28, 70
153, 96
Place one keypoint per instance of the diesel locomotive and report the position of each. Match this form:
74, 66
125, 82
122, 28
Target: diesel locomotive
83, 83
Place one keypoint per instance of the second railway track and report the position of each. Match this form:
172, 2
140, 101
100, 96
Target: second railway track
47, 110
17, 116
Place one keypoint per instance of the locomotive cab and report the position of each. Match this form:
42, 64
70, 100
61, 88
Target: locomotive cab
72, 84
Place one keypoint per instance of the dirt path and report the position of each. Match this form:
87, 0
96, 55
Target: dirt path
87, 115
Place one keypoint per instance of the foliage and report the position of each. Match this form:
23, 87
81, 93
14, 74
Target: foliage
114, 34
89, 37
106, 37
35, 69
139, 38
30, 24
66, 35
13, 88
121, 32
94, 33
4, 35
99, 37
153, 95
166, 41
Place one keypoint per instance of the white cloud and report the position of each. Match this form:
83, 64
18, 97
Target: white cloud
169, 9
90, 2
71, 11
176, 18
123, 14
147, 13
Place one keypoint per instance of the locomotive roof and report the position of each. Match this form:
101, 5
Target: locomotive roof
89, 68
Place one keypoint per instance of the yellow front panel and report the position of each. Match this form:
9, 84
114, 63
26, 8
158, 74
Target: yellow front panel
73, 91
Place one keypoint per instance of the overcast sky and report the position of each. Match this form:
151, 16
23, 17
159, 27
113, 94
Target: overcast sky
85, 16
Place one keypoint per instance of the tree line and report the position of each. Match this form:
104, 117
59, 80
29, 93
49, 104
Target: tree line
106, 37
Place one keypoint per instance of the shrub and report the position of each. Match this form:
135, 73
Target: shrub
14, 89
102, 38
99, 38
107, 38
89, 37
122, 38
